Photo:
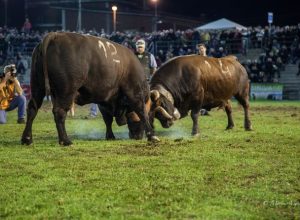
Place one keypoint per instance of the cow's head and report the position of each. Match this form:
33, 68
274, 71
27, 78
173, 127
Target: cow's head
135, 125
163, 108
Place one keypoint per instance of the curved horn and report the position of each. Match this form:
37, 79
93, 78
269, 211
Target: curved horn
154, 94
176, 114
163, 112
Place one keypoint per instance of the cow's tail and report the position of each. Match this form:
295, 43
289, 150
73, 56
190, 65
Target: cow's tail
45, 45
246, 79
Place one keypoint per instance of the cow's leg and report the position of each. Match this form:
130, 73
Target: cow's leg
60, 113
244, 101
108, 119
228, 110
195, 111
195, 115
32, 109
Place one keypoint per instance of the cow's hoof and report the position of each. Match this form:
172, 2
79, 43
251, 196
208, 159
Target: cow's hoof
26, 140
248, 129
136, 136
110, 136
195, 134
229, 127
66, 143
154, 139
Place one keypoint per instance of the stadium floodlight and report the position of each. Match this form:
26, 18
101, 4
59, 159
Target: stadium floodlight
114, 9
5, 12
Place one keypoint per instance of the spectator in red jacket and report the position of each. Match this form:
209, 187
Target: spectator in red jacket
27, 26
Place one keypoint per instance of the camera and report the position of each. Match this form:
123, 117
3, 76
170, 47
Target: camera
10, 68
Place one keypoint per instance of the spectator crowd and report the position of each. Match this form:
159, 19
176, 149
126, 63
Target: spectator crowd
278, 45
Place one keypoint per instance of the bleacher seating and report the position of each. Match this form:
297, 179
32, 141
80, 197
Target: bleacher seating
272, 51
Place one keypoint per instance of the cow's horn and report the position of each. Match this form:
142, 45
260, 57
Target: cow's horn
154, 94
176, 114
163, 112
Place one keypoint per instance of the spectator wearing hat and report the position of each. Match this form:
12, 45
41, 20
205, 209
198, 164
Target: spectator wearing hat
146, 58
11, 96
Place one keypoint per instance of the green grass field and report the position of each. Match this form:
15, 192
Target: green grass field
219, 175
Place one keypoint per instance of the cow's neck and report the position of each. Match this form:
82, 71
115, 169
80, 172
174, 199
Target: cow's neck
165, 93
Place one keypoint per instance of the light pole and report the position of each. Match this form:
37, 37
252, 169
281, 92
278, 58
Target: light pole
155, 14
79, 15
5, 12
114, 9
107, 16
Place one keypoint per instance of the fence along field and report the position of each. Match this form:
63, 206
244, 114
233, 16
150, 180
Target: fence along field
221, 174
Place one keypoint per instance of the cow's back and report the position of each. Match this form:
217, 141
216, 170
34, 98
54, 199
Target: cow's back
85, 62
222, 77
189, 76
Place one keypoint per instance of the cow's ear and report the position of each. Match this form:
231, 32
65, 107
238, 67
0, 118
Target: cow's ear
133, 117
154, 95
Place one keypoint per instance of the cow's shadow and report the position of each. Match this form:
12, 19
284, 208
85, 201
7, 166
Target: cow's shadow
173, 134
98, 136
92, 136
124, 135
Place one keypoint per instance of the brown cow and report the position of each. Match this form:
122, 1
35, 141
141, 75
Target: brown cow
194, 82
85, 69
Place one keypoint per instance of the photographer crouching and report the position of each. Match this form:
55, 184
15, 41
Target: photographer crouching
11, 94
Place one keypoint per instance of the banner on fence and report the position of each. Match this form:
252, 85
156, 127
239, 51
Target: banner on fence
271, 91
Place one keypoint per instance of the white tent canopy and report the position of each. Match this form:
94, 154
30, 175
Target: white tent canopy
222, 23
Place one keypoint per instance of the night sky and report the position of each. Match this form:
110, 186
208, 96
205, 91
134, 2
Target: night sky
248, 13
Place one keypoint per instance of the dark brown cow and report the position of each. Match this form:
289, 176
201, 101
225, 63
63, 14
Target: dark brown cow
86, 69
194, 82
